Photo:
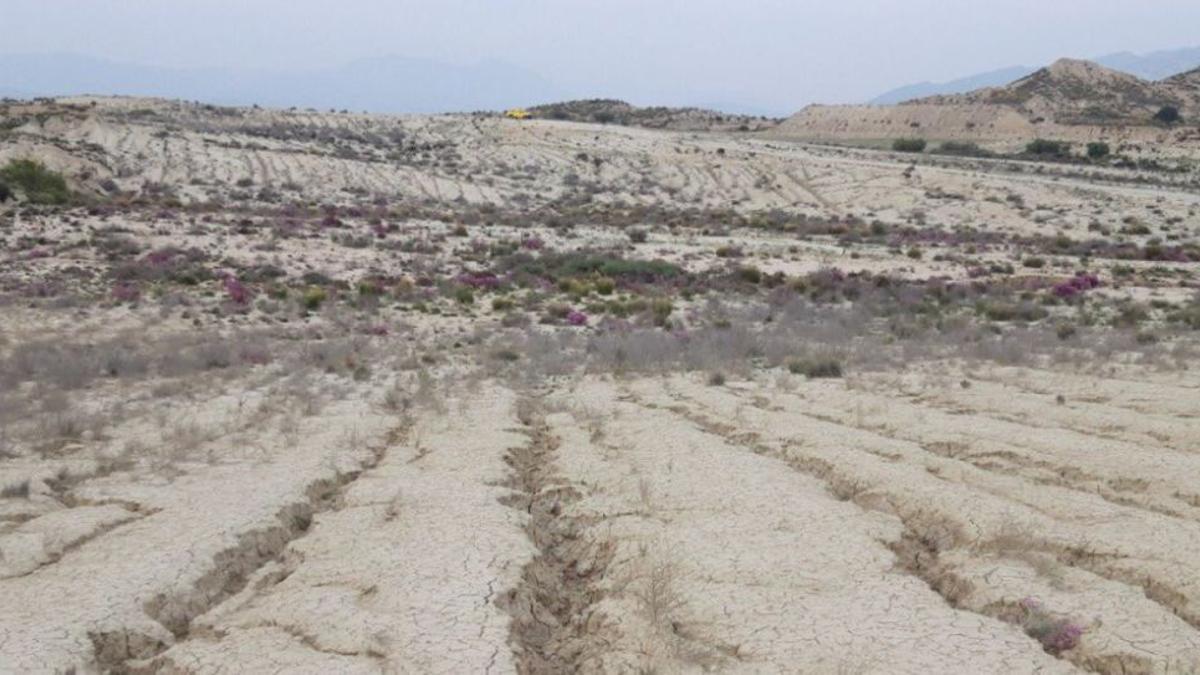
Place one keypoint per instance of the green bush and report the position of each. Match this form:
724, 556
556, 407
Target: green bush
909, 145
1009, 311
750, 274
1098, 150
962, 149
313, 297
662, 308
556, 266
1045, 148
39, 184
814, 369
1168, 114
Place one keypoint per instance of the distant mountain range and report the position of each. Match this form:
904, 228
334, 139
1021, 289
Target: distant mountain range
1153, 66
389, 84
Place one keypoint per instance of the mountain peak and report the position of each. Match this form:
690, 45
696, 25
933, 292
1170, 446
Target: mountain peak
1082, 71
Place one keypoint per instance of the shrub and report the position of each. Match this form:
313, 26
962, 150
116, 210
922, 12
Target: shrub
313, 298
237, 291
816, 368
750, 274
662, 308
1034, 263
961, 149
1057, 634
126, 292
556, 266
716, 380
909, 145
1012, 311
1098, 150
463, 295
637, 236
1044, 148
5, 193
1188, 316
16, 491
1168, 114
507, 355
39, 184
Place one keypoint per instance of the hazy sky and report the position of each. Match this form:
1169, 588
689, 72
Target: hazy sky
769, 53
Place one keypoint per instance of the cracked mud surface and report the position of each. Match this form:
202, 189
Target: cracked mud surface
883, 524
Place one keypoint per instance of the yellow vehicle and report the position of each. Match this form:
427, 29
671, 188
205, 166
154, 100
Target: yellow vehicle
517, 114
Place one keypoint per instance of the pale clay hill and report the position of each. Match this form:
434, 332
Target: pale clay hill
306, 392
1071, 100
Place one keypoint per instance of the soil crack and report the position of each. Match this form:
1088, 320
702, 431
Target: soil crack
555, 626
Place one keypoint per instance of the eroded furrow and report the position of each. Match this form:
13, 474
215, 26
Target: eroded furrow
401, 575
230, 571
555, 623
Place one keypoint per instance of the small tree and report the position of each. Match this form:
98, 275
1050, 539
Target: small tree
1168, 114
909, 145
1098, 150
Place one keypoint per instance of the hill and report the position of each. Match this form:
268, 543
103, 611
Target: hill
1072, 91
391, 84
1152, 66
612, 111
1071, 100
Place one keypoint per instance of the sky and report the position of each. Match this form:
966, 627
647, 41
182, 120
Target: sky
773, 55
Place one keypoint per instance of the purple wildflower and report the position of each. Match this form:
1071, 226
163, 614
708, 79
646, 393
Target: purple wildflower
236, 290
484, 280
1064, 638
126, 293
